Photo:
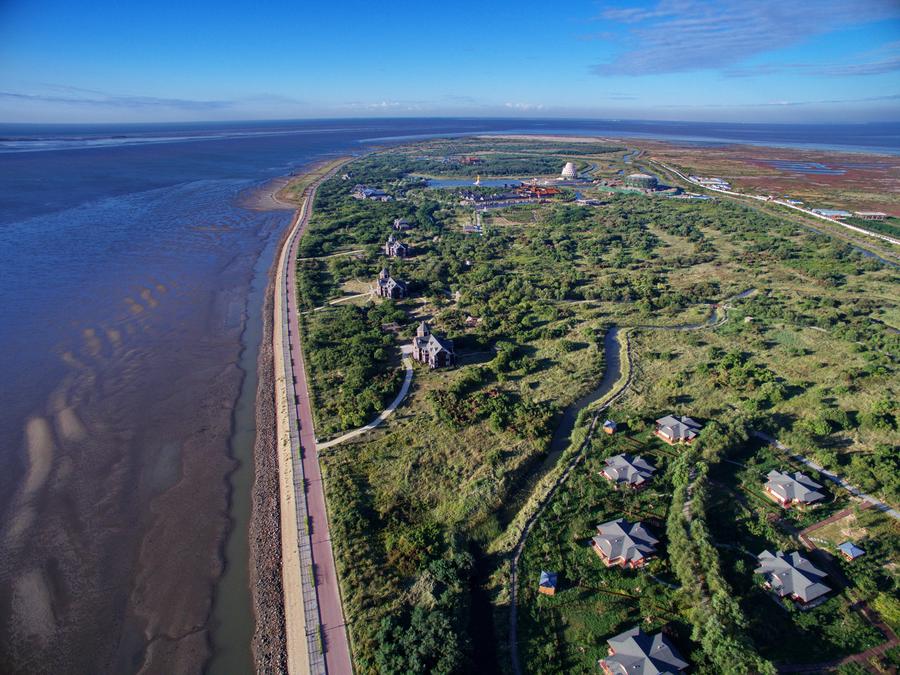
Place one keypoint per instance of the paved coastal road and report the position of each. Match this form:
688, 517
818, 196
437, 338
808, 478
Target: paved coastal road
334, 632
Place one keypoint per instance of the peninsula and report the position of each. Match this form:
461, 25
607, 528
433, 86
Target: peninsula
494, 360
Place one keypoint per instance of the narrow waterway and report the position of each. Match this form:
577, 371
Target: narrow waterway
612, 369
232, 612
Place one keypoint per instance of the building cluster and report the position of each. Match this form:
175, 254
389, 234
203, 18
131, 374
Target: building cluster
365, 192
841, 214
711, 182
630, 545
523, 194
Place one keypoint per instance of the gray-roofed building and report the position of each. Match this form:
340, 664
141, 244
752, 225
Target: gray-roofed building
635, 652
388, 287
788, 489
792, 575
625, 544
673, 429
850, 550
434, 350
628, 470
394, 248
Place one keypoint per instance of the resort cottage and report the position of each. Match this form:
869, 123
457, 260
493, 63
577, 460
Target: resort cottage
850, 551
674, 430
394, 248
547, 583
635, 652
628, 545
610, 427
628, 470
433, 350
791, 575
388, 287
791, 489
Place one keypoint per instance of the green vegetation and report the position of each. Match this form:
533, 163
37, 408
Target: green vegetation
889, 226
807, 355
567, 633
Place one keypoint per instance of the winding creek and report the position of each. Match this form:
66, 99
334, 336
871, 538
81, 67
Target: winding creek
609, 387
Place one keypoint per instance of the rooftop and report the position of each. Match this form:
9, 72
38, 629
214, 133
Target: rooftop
851, 550
628, 469
638, 653
792, 574
621, 539
793, 487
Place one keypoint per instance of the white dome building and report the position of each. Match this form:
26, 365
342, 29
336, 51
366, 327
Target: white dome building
569, 171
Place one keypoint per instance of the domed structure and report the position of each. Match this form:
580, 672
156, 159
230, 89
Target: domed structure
641, 180
569, 171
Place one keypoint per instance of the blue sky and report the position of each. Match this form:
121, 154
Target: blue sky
745, 60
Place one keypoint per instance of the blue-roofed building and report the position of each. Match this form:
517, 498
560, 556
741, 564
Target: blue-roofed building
609, 427
835, 214
850, 550
547, 583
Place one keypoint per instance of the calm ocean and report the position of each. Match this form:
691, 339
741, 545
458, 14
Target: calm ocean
131, 276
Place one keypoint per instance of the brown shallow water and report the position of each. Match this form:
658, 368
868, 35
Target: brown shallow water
112, 542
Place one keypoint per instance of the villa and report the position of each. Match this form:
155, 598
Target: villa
791, 489
628, 470
674, 430
791, 575
388, 287
433, 350
394, 248
635, 652
628, 545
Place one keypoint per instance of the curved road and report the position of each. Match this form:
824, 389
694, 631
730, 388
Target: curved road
333, 630
407, 380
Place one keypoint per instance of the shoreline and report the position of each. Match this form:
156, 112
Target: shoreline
273, 514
